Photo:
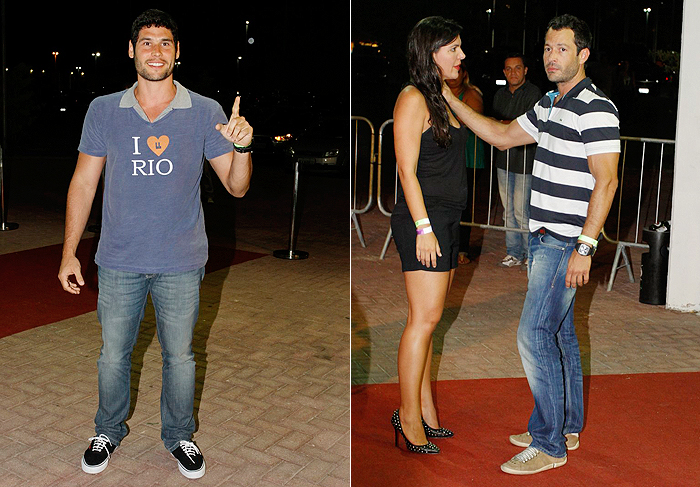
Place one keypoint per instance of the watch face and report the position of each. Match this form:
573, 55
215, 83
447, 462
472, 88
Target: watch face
583, 249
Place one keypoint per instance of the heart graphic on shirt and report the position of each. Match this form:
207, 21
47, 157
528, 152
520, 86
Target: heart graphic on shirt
158, 144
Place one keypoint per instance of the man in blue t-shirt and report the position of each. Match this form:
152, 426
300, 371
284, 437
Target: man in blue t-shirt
151, 141
574, 180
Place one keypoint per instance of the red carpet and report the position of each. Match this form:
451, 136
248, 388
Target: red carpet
641, 430
31, 295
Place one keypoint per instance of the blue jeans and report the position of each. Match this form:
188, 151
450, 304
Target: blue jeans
549, 348
120, 309
514, 189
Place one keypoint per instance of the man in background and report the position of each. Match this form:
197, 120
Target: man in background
514, 167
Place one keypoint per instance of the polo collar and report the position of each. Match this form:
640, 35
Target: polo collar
580, 86
573, 92
182, 100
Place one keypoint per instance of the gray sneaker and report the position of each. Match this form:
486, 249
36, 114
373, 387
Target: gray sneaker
530, 461
524, 440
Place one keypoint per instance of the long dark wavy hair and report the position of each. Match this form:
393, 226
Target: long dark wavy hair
426, 38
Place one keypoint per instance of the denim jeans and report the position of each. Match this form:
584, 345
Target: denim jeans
514, 189
549, 348
120, 309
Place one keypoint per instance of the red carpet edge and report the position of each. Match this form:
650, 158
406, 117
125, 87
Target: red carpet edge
31, 295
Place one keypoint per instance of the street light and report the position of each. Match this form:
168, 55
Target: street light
249, 40
489, 11
647, 11
55, 68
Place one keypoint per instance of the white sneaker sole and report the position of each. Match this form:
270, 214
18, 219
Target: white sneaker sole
192, 474
94, 469
505, 468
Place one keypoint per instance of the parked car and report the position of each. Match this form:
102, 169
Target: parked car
275, 127
277, 117
324, 145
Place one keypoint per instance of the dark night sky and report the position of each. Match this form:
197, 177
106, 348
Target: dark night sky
292, 47
613, 22
301, 53
619, 32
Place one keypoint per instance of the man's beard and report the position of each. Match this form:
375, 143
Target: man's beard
142, 70
563, 75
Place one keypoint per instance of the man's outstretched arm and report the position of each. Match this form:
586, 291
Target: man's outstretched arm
501, 136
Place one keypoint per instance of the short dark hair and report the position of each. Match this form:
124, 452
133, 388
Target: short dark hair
153, 18
582, 34
515, 55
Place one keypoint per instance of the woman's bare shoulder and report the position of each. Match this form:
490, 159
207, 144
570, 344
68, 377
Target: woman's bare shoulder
410, 102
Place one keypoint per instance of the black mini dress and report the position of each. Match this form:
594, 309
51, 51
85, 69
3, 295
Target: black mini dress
442, 175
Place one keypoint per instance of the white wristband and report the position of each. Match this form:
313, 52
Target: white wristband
588, 240
424, 221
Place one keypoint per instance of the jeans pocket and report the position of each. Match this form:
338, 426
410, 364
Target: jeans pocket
549, 259
551, 242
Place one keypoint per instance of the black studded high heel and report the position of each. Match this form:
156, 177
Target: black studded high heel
429, 448
436, 432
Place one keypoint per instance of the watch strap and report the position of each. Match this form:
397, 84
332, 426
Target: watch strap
591, 249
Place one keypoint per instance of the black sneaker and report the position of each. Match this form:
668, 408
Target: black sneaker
96, 457
189, 460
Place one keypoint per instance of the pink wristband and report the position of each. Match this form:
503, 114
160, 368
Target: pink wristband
423, 231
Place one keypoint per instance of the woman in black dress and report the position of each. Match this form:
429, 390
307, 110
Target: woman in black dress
430, 155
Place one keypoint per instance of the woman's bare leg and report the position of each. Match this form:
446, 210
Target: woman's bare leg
427, 404
426, 299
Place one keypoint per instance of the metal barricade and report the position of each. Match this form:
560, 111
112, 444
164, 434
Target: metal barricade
648, 197
491, 202
643, 205
354, 211
380, 203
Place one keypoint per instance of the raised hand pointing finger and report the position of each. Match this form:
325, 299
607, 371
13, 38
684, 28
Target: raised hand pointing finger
237, 130
236, 107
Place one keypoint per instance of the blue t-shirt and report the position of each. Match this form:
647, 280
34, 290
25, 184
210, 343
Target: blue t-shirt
152, 218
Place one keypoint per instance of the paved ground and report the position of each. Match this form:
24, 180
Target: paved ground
272, 352
476, 336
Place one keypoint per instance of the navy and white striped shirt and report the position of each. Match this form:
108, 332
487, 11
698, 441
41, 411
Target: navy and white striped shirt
583, 123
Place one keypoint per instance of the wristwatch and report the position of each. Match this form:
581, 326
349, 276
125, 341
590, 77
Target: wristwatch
585, 249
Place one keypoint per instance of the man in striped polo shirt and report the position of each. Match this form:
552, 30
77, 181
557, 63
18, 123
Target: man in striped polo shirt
576, 128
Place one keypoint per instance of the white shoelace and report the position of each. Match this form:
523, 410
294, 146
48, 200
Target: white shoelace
527, 454
99, 443
189, 448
